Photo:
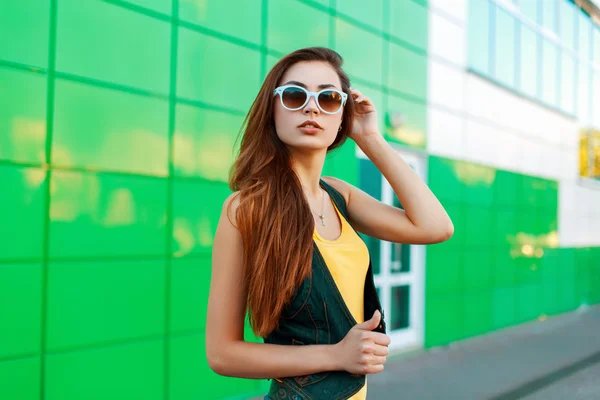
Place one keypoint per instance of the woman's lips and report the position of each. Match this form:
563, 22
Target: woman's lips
310, 130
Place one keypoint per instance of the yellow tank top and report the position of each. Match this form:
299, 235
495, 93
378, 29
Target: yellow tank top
347, 258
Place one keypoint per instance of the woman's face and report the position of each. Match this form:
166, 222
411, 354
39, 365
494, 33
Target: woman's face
313, 76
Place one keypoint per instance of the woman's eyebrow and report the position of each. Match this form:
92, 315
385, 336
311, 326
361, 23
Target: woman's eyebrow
321, 86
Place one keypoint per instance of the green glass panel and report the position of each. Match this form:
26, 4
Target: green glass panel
478, 226
91, 302
188, 354
479, 36
526, 193
204, 142
105, 129
503, 269
407, 71
190, 281
444, 270
413, 128
21, 379
26, 21
98, 215
21, 288
365, 64
344, 163
369, 180
161, 6
23, 117
504, 228
22, 212
218, 82
550, 298
477, 309
476, 269
409, 22
196, 212
285, 34
443, 180
456, 212
121, 372
443, 319
241, 19
505, 188
400, 318
371, 15
477, 184
104, 41
505, 57
528, 304
503, 307
528, 61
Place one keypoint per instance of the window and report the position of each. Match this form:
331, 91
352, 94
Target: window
549, 75
479, 39
549, 15
567, 15
528, 60
530, 9
596, 44
504, 58
585, 35
567, 80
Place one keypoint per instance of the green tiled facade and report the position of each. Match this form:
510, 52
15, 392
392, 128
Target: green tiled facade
503, 265
118, 124
117, 130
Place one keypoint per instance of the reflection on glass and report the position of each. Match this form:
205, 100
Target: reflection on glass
529, 62
400, 307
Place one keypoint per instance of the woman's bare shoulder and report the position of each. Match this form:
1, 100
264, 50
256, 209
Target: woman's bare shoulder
341, 186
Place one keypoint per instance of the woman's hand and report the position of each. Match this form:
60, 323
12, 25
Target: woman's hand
365, 120
362, 351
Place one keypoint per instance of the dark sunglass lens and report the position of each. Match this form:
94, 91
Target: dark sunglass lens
293, 97
330, 101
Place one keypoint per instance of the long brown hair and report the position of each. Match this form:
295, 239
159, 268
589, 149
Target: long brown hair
273, 215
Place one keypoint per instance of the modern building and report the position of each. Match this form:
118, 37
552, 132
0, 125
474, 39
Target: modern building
117, 124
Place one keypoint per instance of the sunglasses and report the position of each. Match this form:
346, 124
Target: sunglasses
293, 98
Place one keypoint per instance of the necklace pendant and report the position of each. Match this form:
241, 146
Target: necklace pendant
322, 220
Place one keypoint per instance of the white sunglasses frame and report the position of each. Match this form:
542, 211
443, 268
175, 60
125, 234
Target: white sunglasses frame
309, 94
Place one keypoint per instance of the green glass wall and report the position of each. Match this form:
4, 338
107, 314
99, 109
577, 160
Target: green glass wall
117, 128
503, 265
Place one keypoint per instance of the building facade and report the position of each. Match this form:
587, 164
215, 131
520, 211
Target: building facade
118, 125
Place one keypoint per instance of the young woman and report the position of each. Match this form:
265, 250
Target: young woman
286, 248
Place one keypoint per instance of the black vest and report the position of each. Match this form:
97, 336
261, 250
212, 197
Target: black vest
317, 314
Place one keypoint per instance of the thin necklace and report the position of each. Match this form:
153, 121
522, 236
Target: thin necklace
322, 215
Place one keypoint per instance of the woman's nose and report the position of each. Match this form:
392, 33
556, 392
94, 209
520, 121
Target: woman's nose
311, 106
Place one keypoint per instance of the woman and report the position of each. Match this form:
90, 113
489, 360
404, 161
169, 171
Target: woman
286, 248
